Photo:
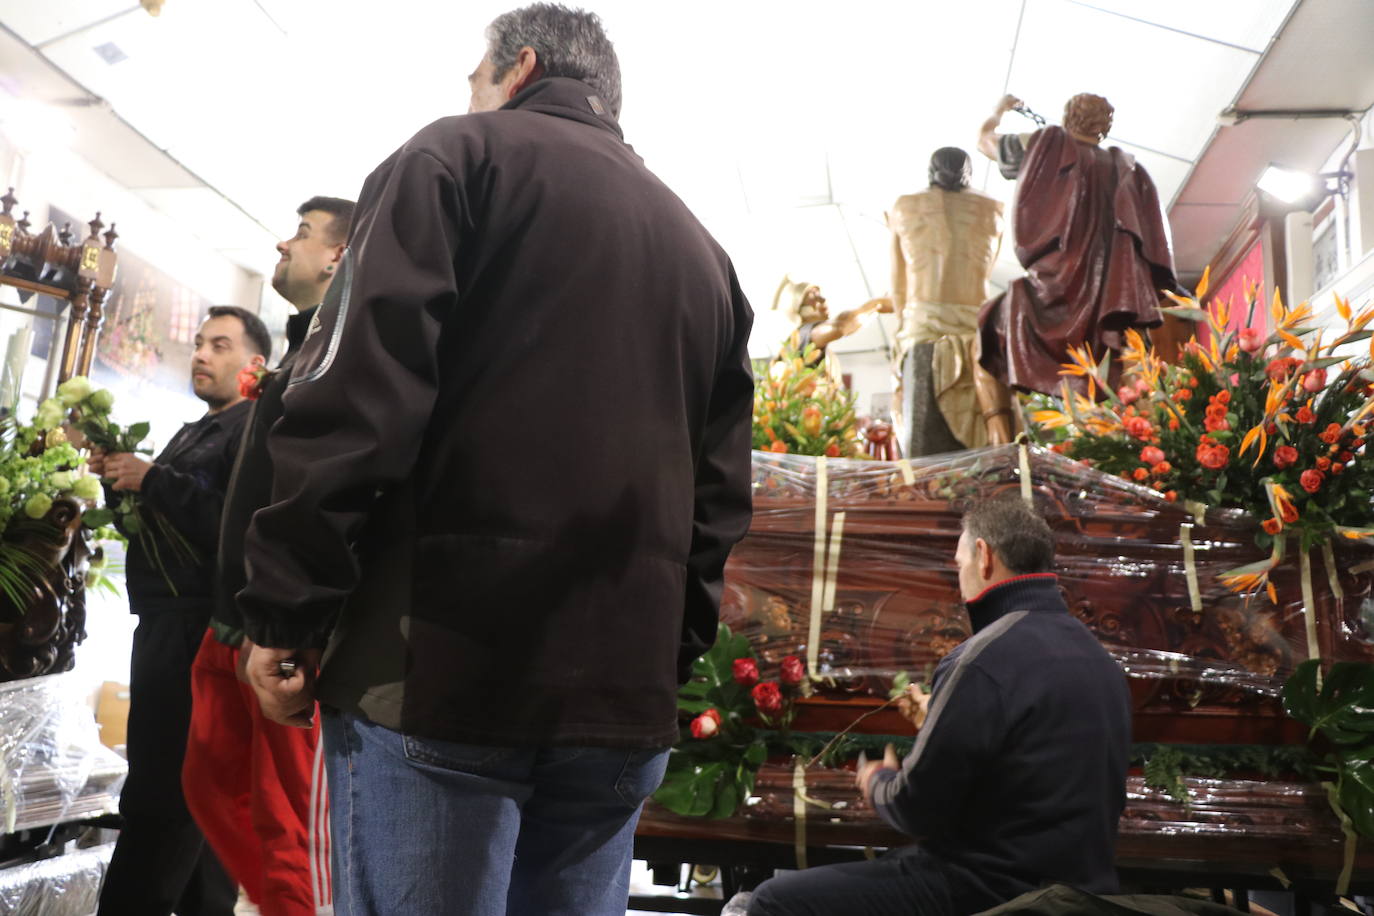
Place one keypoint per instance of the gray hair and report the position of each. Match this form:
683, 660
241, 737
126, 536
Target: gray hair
569, 43
1015, 532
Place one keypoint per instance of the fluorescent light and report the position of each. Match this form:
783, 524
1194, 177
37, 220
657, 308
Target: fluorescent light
1289, 185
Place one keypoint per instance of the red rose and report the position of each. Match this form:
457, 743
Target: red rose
1332, 434
1173, 423
1323, 464
251, 379
1271, 526
1305, 415
778, 446
1222, 397
1162, 468
706, 725
767, 698
1279, 369
1337, 468
792, 671
1211, 455
1183, 394
1139, 427
1346, 457
1140, 474
1285, 456
1216, 424
1252, 340
1151, 455
713, 713
1171, 496
1314, 381
1311, 480
746, 672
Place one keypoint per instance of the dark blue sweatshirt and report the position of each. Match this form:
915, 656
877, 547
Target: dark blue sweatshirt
1017, 778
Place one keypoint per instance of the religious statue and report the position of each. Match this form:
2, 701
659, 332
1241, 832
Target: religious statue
944, 242
1091, 235
804, 307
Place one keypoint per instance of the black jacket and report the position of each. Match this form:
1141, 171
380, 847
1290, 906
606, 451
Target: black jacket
1018, 777
250, 485
186, 487
517, 450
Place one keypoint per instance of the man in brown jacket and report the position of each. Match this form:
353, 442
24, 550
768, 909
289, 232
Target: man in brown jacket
499, 690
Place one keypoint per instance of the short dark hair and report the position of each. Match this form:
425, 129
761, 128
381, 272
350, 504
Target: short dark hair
337, 207
254, 331
1016, 533
568, 42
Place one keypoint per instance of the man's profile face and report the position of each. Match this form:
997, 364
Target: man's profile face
221, 350
304, 258
488, 93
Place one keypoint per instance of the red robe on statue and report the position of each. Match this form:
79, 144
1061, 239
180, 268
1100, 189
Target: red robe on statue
1091, 234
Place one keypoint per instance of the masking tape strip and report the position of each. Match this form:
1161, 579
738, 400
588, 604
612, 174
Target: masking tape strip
1332, 576
1309, 606
908, 472
1027, 493
832, 566
1198, 510
1280, 877
799, 811
1185, 535
817, 570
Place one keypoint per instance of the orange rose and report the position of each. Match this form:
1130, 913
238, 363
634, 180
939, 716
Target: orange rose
1271, 526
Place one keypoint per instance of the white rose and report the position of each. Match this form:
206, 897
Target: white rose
74, 390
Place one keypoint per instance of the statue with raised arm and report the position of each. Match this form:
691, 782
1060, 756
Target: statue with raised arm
944, 242
804, 307
1091, 235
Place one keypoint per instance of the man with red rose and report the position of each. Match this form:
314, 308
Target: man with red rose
507, 627
250, 782
161, 863
1018, 775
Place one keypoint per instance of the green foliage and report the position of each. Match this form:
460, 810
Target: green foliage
1340, 708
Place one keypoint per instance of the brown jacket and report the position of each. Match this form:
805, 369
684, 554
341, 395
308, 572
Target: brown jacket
515, 452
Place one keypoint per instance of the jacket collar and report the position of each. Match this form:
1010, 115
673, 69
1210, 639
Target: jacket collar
1033, 592
296, 326
566, 98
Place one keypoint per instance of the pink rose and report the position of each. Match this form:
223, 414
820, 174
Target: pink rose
1252, 340
1314, 381
792, 671
706, 724
1151, 454
1127, 394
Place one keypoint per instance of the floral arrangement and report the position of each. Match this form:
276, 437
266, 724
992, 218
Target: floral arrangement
38, 467
799, 410
712, 769
1272, 423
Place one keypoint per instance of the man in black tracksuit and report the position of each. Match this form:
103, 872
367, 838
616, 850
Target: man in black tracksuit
1017, 778
513, 460
161, 863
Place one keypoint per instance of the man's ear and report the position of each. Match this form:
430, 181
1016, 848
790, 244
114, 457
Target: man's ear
527, 69
985, 558
258, 361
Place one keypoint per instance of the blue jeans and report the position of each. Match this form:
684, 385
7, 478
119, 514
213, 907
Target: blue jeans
436, 828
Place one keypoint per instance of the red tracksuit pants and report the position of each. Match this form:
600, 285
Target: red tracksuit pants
257, 790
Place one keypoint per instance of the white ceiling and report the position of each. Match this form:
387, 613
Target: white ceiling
787, 127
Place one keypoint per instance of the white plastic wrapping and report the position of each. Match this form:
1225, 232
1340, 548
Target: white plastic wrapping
55, 768
68, 885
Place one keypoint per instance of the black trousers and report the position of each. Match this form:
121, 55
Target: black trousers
904, 882
161, 862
